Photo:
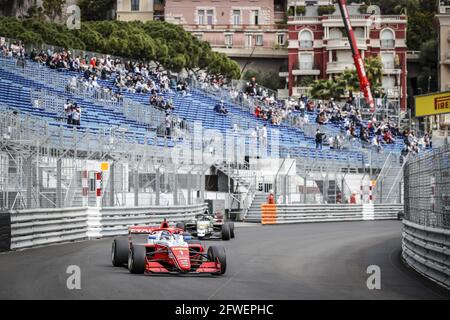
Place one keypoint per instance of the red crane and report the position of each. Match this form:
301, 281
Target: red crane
359, 63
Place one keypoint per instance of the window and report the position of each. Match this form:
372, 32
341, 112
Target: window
201, 16
306, 39
255, 17
229, 40
248, 40
280, 39
259, 40
134, 5
336, 34
387, 39
236, 17
306, 61
388, 60
209, 16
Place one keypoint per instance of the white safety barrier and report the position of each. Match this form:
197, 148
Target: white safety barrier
427, 250
115, 221
303, 213
36, 227
30, 228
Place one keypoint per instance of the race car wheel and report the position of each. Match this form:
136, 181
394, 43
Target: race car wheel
216, 252
181, 225
119, 251
136, 259
226, 233
231, 229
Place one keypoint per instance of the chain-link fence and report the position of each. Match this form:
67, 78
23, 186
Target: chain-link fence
427, 189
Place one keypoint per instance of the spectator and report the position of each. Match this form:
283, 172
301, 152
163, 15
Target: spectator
68, 112
319, 139
220, 108
76, 115
271, 197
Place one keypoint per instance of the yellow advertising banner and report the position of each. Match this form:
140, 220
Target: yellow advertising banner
432, 104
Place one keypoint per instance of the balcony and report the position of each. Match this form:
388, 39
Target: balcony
305, 69
390, 68
339, 67
393, 92
283, 71
444, 7
343, 43
298, 91
447, 59
387, 44
306, 44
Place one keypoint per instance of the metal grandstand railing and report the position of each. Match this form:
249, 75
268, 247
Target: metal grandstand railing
41, 165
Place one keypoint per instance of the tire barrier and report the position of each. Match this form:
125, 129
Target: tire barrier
427, 250
304, 213
5, 231
37, 227
268, 213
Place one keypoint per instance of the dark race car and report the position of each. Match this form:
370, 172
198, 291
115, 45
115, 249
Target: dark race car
208, 226
166, 250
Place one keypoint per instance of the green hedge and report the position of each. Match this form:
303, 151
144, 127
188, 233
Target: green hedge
326, 10
300, 10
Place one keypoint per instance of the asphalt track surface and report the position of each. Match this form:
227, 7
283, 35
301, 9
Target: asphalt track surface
305, 261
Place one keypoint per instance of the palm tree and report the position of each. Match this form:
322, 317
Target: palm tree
326, 89
374, 70
349, 80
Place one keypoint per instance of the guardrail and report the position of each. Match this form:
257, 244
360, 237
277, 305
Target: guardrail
31, 228
304, 213
115, 221
427, 250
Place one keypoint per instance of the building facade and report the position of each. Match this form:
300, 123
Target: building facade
131, 10
252, 32
319, 48
441, 124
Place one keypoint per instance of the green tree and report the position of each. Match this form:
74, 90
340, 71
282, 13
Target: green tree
53, 8
95, 9
427, 79
326, 89
268, 79
170, 46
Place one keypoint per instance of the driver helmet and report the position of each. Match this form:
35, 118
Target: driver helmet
271, 191
165, 235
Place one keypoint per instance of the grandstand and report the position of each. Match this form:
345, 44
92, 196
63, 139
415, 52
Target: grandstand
39, 92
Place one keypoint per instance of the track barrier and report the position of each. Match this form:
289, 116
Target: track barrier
303, 213
268, 213
37, 227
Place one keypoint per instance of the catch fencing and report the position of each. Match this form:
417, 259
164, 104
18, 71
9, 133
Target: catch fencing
426, 231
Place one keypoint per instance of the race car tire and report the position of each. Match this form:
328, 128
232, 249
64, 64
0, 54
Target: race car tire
181, 225
226, 234
231, 229
217, 252
136, 259
119, 252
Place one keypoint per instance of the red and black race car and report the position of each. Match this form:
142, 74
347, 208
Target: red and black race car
166, 250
